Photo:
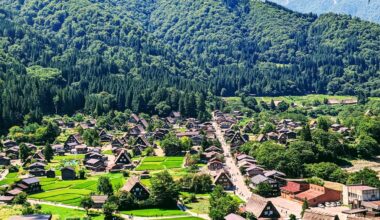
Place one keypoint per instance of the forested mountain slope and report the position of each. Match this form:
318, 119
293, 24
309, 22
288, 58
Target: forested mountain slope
365, 9
160, 55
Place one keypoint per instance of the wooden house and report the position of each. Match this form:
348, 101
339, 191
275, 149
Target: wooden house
233, 216
72, 141
117, 143
144, 123
39, 156
29, 185
12, 152
5, 161
214, 165
9, 143
104, 136
141, 140
136, 188
50, 173
223, 178
98, 201
134, 119
80, 149
237, 140
254, 170
311, 214
68, 173
261, 208
261, 138
258, 179
95, 165
214, 148
134, 132
123, 158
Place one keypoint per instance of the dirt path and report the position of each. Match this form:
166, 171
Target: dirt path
159, 152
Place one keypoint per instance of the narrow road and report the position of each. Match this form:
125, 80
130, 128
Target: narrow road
237, 178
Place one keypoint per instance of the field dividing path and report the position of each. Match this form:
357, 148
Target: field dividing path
241, 189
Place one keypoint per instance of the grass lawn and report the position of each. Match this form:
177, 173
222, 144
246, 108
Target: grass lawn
154, 212
107, 152
63, 213
160, 163
201, 206
70, 191
237, 198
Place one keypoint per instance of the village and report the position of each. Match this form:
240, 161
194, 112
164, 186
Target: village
211, 149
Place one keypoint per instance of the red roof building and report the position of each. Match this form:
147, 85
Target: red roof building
319, 194
292, 188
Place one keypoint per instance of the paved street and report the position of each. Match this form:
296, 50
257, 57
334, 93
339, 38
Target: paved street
241, 189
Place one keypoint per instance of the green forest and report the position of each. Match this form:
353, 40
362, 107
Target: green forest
155, 56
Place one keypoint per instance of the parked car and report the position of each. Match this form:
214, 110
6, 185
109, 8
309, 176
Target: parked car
338, 203
327, 204
332, 204
320, 205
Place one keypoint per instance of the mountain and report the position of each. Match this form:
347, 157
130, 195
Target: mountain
155, 56
364, 9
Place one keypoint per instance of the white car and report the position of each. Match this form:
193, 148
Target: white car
320, 205
332, 204
327, 204
338, 203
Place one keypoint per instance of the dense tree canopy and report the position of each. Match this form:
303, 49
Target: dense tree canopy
162, 55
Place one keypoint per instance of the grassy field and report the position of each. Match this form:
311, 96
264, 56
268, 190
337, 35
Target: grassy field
63, 213
70, 191
201, 206
160, 163
154, 212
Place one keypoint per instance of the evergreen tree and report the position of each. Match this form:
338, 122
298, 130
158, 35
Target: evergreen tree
48, 153
86, 203
104, 185
24, 152
272, 105
305, 133
164, 190
305, 205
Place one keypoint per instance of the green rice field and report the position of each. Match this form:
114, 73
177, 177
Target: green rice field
154, 212
160, 163
70, 191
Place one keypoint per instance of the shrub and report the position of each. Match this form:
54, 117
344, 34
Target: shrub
13, 169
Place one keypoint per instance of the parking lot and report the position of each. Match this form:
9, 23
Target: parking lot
287, 207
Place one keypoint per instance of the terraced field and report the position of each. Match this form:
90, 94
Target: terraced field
70, 191
9, 179
160, 163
